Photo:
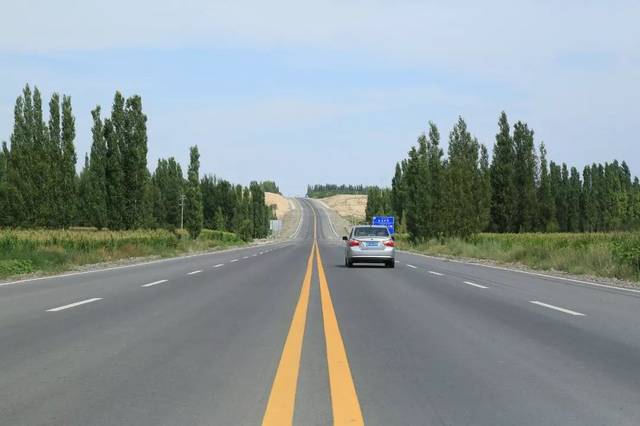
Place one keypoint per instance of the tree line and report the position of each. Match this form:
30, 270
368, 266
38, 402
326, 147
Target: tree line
327, 190
39, 186
519, 190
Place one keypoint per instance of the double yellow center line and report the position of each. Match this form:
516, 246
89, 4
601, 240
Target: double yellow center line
344, 399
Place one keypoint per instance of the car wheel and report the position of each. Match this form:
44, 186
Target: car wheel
391, 264
349, 263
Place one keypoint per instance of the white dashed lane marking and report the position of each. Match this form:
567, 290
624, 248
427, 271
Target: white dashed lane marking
435, 273
219, 265
194, 272
474, 284
411, 266
557, 308
73, 305
155, 283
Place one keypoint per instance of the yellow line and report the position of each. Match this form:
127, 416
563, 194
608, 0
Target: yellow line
281, 404
344, 399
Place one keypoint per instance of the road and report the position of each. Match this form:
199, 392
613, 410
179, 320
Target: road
285, 333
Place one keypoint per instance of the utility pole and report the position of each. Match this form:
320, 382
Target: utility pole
182, 198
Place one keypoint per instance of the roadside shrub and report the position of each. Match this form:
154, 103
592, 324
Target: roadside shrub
212, 234
615, 254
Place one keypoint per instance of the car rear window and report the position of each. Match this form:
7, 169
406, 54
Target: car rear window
370, 231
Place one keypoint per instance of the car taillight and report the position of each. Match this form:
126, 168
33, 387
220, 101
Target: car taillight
354, 243
389, 243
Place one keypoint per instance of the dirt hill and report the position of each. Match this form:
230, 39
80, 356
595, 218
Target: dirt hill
347, 206
282, 204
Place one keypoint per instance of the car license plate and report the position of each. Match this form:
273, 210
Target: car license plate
372, 244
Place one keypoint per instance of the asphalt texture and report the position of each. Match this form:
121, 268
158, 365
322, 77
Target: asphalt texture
429, 342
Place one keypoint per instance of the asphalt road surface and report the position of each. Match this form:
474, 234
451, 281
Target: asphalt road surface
284, 333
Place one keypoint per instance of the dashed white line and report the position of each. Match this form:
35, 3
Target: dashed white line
261, 252
245, 257
233, 260
411, 266
73, 305
254, 255
218, 265
194, 272
557, 308
474, 284
155, 283
435, 273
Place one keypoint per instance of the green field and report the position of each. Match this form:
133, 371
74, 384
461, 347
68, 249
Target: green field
46, 251
611, 255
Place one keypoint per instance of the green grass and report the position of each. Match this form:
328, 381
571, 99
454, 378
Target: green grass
48, 251
611, 255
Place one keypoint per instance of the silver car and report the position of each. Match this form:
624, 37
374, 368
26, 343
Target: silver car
369, 244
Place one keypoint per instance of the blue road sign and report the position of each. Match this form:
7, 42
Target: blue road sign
388, 221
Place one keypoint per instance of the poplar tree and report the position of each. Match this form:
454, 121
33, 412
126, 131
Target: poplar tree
587, 202
525, 178
6, 218
418, 197
54, 184
193, 202
134, 163
22, 162
40, 167
83, 211
484, 191
462, 182
114, 177
573, 201
503, 191
398, 193
68, 164
546, 203
169, 182
436, 171
97, 197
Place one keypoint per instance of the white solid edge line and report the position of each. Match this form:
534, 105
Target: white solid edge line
154, 283
435, 273
73, 305
133, 265
557, 308
411, 266
194, 272
536, 274
218, 265
474, 284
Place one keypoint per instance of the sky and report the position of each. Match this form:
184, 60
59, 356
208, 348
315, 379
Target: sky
333, 91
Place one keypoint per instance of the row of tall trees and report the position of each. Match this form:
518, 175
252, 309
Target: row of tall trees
518, 191
39, 186
37, 171
327, 190
229, 207
378, 202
